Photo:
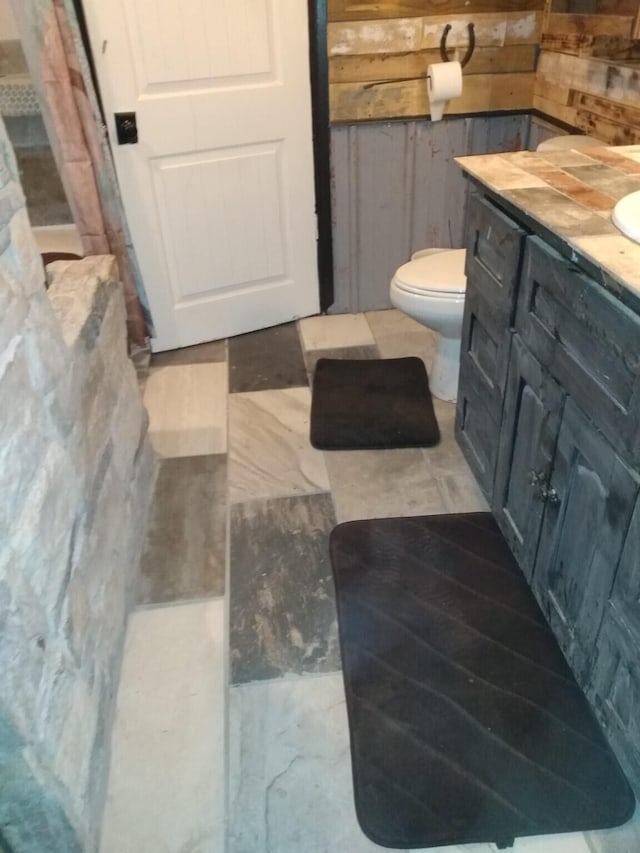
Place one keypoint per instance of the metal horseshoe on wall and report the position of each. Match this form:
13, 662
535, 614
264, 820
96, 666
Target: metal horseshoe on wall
470, 49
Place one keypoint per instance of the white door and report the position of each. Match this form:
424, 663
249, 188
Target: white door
219, 190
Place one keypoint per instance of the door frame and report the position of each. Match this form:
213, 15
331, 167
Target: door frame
319, 73
321, 132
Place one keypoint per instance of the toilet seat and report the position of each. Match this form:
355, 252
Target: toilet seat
440, 274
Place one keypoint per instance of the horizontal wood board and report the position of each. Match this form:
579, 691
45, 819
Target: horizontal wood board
588, 74
378, 64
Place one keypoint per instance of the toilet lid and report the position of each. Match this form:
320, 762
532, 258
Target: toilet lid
439, 273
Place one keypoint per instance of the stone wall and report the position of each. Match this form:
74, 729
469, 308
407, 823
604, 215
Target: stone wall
76, 477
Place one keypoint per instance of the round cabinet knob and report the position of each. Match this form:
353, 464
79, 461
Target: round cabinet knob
546, 495
552, 497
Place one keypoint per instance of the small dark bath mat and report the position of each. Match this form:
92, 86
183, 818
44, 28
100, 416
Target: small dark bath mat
372, 404
466, 723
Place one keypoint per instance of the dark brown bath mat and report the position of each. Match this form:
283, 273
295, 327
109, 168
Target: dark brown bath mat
465, 720
371, 404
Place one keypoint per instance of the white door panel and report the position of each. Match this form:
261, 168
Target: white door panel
234, 194
219, 190
204, 41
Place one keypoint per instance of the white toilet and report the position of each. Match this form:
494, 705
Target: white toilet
431, 289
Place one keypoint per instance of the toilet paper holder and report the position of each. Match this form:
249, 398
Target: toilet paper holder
472, 44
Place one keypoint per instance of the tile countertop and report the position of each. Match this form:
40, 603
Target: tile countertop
571, 195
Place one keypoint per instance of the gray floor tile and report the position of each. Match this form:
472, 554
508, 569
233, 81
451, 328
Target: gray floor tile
268, 359
198, 354
282, 606
335, 330
186, 542
289, 770
311, 357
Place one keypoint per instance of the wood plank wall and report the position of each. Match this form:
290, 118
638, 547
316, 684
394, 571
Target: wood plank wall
396, 189
588, 73
379, 53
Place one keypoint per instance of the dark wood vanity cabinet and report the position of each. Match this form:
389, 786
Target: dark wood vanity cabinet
549, 423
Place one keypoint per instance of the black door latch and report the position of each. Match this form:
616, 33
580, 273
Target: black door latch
126, 128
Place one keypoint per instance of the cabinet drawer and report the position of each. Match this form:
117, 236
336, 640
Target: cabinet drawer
588, 340
484, 350
494, 249
477, 431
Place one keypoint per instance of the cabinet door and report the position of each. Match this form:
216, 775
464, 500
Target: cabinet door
585, 521
530, 422
477, 432
614, 685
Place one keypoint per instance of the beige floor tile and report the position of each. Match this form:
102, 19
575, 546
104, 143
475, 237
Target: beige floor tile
398, 336
622, 839
269, 451
335, 331
382, 484
570, 842
446, 458
166, 789
462, 848
461, 493
187, 407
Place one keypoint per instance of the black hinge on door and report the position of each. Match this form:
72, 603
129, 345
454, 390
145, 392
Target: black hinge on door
126, 128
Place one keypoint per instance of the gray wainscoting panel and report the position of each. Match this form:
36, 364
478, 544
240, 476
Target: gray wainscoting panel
396, 189
541, 130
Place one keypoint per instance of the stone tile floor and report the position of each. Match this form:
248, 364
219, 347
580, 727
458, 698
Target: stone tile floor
231, 731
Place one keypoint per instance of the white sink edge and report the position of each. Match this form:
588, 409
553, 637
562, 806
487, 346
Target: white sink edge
626, 216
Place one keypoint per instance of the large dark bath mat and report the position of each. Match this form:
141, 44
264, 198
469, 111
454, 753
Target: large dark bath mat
466, 723
370, 404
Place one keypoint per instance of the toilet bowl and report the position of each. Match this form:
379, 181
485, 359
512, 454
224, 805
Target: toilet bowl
430, 288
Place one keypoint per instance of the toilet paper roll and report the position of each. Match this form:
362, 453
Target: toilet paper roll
444, 81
